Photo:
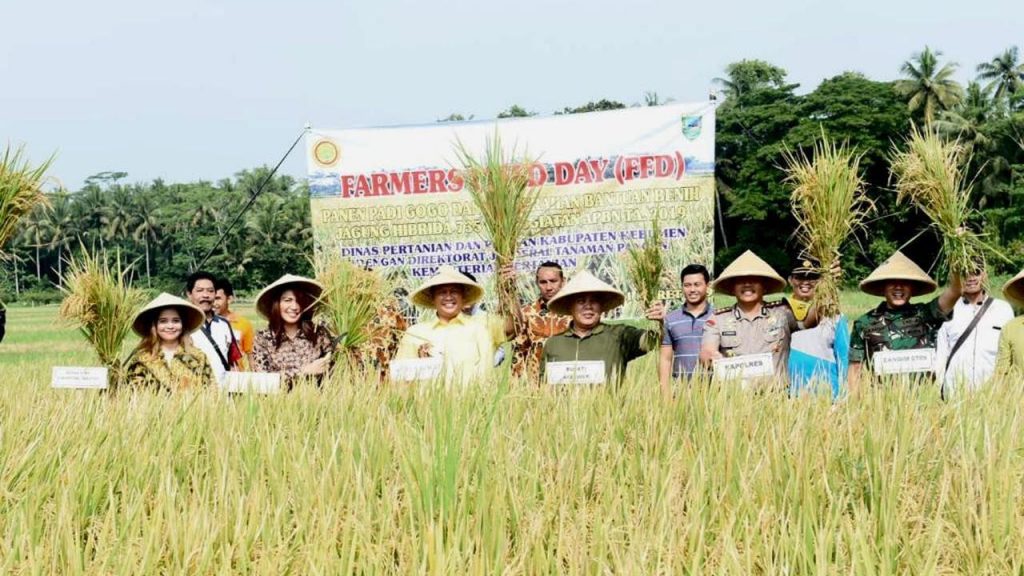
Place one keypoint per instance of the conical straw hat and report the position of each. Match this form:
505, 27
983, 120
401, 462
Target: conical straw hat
749, 265
447, 275
191, 316
898, 267
585, 283
267, 296
1014, 289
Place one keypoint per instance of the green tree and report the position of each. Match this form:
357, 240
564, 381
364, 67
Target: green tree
1005, 74
749, 75
928, 86
595, 106
515, 111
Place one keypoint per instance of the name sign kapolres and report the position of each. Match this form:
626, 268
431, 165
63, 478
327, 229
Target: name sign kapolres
395, 199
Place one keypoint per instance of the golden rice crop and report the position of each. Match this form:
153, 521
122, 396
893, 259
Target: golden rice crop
829, 203
499, 185
101, 301
20, 190
493, 479
645, 265
350, 298
929, 172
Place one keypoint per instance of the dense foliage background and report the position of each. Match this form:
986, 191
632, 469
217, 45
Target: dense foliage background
167, 228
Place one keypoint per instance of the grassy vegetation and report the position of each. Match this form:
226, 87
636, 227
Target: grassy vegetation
494, 480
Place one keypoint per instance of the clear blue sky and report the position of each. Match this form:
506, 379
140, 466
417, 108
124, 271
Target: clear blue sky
201, 89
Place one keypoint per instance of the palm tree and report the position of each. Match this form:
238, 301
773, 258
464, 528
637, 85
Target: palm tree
1005, 74
62, 228
928, 86
966, 121
148, 226
34, 231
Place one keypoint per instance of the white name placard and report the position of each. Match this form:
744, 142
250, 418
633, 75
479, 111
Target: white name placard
746, 367
252, 382
588, 373
889, 362
414, 369
79, 377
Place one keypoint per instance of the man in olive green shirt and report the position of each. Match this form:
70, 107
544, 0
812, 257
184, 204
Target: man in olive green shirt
586, 298
1010, 357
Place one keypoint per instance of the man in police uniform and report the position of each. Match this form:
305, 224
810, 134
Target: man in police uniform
751, 326
897, 324
803, 279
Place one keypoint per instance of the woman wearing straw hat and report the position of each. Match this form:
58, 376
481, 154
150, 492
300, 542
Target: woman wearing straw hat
1010, 359
752, 326
165, 359
292, 345
585, 298
897, 324
465, 345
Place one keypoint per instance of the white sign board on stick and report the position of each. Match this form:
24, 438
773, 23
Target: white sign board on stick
415, 369
890, 362
745, 368
79, 377
252, 382
587, 373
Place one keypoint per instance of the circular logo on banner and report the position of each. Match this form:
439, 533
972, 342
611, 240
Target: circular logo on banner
326, 153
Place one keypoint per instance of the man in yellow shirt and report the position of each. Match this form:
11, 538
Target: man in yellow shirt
464, 345
244, 333
1010, 358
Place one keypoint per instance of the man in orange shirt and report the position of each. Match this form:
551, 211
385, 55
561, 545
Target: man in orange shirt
225, 297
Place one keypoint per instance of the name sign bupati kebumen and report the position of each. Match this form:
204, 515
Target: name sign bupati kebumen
79, 377
588, 373
395, 199
888, 362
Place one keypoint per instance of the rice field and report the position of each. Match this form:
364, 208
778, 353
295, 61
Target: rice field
497, 480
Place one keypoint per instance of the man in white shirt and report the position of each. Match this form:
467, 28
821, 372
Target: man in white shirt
214, 336
968, 364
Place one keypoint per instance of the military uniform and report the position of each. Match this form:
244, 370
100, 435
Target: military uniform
733, 334
909, 327
537, 326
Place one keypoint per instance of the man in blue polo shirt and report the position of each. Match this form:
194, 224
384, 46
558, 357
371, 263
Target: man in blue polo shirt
684, 329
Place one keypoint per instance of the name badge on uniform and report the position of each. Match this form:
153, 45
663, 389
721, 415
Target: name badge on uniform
414, 369
252, 382
888, 362
585, 373
745, 368
79, 378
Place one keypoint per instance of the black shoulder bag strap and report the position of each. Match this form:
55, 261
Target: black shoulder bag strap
209, 336
970, 328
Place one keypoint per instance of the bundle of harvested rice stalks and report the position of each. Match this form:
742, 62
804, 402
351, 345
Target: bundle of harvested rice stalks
829, 203
929, 172
20, 190
101, 300
645, 265
349, 300
499, 184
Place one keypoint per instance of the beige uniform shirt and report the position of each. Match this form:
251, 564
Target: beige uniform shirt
733, 334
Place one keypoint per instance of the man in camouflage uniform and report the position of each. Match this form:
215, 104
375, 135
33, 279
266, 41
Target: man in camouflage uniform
898, 324
534, 323
751, 326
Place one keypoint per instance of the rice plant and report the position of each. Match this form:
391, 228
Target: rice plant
349, 300
499, 184
101, 301
929, 172
20, 190
829, 203
645, 265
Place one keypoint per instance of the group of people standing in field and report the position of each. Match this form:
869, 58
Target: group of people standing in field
195, 342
